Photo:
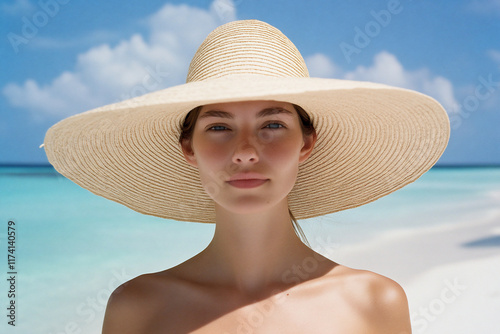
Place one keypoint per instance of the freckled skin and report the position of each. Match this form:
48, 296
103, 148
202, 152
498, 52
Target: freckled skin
256, 276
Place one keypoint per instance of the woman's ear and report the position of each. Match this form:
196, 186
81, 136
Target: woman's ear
187, 150
308, 146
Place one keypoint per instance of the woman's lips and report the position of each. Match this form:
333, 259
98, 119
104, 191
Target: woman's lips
252, 183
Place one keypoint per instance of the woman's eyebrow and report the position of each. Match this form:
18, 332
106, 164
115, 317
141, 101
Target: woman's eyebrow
262, 113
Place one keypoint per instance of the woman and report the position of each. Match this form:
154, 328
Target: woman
249, 143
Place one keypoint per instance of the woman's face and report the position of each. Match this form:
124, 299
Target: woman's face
262, 137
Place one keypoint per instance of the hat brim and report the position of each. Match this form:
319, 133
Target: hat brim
372, 140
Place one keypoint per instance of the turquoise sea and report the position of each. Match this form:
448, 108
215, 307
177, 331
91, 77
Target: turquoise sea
73, 248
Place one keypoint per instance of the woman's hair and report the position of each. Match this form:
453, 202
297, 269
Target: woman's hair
187, 128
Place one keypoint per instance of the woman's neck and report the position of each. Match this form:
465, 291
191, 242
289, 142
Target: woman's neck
253, 252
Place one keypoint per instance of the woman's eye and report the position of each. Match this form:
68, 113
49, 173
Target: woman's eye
275, 125
217, 126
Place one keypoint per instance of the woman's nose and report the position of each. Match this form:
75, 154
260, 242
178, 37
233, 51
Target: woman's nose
246, 151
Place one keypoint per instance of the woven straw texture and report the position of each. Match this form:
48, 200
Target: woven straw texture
372, 139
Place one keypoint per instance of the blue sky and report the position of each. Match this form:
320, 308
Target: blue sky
62, 57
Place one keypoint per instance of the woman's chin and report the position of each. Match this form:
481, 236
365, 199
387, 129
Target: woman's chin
249, 205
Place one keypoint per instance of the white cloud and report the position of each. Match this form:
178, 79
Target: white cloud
388, 70
320, 66
485, 7
17, 7
106, 74
66, 91
225, 9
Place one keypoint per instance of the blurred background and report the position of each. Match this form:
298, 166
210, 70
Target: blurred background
63, 57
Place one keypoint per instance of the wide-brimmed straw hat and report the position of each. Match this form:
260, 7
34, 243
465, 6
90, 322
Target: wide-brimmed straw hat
372, 139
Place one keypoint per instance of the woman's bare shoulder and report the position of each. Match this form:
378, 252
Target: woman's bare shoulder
367, 282
133, 303
381, 301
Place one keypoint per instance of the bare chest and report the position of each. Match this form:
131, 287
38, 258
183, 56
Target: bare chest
290, 319
286, 312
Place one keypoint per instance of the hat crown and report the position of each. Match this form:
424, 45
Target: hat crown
246, 47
